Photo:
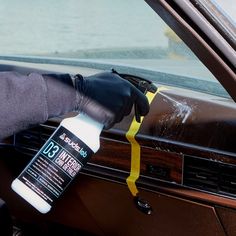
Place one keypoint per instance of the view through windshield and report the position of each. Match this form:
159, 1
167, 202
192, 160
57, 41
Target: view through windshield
227, 8
126, 33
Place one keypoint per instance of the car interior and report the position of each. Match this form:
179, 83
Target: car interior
186, 183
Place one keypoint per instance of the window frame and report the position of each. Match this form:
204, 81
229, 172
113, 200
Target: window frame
201, 37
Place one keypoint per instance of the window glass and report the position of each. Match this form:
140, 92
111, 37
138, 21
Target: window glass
124, 34
228, 7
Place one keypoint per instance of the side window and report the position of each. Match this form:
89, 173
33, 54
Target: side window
125, 33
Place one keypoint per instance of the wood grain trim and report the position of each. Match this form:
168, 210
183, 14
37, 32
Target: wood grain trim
154, 163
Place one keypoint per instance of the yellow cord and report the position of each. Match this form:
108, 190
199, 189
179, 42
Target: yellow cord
135, 147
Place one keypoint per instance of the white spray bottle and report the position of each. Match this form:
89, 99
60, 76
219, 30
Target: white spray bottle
59, 160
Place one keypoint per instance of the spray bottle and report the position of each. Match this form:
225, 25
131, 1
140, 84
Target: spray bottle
58, 162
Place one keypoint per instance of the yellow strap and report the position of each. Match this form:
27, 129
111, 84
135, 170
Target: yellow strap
135, 147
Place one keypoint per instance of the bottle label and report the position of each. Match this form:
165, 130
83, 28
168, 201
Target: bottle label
56, 164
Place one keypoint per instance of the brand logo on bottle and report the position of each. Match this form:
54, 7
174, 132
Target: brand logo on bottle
74, 145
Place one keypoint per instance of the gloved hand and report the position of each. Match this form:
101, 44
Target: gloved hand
107, 98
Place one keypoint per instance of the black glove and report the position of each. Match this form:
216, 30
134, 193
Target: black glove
107, 98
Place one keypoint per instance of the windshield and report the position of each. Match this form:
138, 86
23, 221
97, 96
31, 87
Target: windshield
107, 33
227, 8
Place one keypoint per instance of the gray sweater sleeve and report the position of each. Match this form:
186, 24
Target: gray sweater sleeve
32, 99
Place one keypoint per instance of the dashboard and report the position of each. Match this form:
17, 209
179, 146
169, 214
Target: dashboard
187, 163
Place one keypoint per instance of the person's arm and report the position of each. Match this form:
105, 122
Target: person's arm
32, 99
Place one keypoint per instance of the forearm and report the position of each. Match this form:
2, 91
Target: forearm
30, 100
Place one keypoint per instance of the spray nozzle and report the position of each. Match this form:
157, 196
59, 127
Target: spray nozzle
144, 85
